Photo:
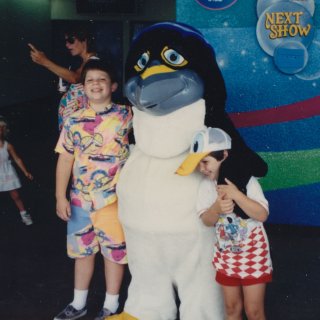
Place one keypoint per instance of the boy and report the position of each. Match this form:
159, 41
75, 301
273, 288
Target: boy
242, 256
94, 146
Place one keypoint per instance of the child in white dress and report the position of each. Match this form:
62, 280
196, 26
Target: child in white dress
9, 180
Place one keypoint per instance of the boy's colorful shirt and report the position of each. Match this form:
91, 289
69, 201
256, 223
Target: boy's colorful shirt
99, 143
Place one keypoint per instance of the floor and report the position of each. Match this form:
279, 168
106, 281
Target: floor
36, 276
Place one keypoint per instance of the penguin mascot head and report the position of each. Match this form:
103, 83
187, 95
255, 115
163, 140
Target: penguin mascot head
171, 65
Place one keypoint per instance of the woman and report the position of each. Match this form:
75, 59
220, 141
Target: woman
79, 43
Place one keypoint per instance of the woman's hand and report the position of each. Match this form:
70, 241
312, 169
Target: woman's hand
37, 56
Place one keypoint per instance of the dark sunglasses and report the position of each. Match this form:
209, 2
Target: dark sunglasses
70, 39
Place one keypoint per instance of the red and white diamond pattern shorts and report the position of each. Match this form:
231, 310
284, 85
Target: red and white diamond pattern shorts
252, 262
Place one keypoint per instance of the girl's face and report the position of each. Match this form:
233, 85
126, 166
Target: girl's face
209, 166
98, 87
3, 129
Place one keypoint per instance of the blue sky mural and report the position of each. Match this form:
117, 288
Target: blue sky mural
285, 108
244, 65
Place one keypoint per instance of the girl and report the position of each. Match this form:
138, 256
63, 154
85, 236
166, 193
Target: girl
9, 180
242, 254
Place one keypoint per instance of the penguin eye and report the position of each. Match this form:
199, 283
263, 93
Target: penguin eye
142, 61
197, 144
173, 58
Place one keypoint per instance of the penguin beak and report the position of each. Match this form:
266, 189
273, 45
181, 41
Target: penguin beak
154, 70
190, 163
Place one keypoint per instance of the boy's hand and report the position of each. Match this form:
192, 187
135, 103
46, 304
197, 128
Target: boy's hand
63, 209
230, 190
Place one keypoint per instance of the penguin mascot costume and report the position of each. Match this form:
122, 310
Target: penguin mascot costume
175, 86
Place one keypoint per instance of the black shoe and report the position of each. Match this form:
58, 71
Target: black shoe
70, 313
103, 314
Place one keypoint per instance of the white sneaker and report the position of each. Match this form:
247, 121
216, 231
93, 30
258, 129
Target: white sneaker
26, 219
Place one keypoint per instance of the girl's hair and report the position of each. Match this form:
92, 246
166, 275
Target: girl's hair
82, 33
98, 64
218, 155
4, 123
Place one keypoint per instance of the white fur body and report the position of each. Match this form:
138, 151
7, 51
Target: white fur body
168, 246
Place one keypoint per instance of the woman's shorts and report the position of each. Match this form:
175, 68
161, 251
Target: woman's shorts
90, 232
224, 280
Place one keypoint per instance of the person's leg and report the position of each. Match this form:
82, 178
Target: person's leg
254, 301
82, 246
83, 271
113, 277
194, 276
233, 302
150, 293
111, 239
15, 196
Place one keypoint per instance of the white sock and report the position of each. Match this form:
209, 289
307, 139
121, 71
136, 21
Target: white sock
79, 299
111, 302
23, 212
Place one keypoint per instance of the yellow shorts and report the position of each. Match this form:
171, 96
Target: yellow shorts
89, 232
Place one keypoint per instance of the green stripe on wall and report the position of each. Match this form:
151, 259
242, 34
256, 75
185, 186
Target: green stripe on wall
291, 169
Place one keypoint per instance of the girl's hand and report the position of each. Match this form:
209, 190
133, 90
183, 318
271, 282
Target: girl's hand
63, 209
230, 190
226, 205
29, 175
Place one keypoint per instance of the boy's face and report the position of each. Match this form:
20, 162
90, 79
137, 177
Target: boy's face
209, 166
98, 87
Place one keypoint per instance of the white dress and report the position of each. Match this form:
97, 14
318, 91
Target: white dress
8, 177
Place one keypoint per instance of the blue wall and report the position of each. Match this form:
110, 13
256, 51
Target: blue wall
290, 143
